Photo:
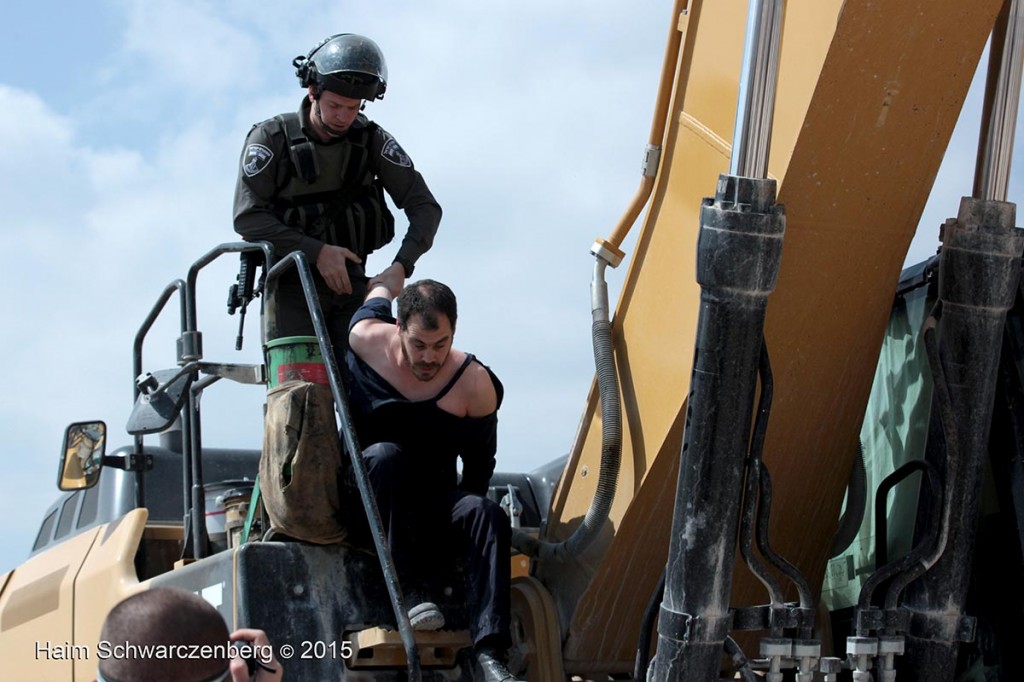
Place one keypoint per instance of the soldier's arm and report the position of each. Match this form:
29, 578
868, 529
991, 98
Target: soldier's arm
262, 173
407, 188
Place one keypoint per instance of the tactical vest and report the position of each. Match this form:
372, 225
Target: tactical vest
332, 193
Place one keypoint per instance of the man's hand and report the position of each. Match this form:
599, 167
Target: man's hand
267, 667
332, 262
392, 277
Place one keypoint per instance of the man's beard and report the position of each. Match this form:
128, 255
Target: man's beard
424, 371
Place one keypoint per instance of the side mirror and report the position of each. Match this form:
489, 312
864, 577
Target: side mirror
81, 458
156, 411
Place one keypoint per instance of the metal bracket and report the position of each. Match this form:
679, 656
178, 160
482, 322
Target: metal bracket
874, 619
767, 617
190, 346
242, 374
693, 628
132, 462
652, 157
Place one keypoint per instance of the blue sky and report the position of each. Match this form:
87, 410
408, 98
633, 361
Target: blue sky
121, 123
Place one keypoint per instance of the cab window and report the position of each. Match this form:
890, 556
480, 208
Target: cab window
90, 507
46, 531
67, 514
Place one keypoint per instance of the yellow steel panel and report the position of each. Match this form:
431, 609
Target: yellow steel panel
107, 576
868, 95
36, 613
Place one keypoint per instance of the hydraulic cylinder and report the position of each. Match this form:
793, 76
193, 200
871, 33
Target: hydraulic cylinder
738, 255
978, 277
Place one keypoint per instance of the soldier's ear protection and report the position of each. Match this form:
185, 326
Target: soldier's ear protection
302, 65
305, 68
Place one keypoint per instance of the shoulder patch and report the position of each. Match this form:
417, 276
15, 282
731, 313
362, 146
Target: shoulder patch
394, 153
255, 159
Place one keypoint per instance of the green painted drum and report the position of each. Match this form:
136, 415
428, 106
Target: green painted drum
295, 357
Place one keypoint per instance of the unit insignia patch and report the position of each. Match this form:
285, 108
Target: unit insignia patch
256, 159
394, 153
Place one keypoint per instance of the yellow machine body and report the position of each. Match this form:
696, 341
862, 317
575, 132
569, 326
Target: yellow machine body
868, 95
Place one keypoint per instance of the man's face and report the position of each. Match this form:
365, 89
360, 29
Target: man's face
425, 350
332, 114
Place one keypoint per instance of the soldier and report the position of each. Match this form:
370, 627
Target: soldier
314, 181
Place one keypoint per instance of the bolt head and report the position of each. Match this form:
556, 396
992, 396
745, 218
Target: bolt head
806, 648
776, 647
861, 646
830, 664
891, 645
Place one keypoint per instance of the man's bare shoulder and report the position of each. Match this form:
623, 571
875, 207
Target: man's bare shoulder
481, 396
368, 334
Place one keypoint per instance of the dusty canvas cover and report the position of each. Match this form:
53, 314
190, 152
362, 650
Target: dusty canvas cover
302, 469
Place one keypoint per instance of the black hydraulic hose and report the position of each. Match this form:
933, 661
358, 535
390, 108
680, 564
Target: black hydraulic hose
916, 563
950, 433
787, 569
740, 663
753, 562
643, 647
920, 563
931, 476
887, 571
856, 504
611, 439
759, 472
750, 493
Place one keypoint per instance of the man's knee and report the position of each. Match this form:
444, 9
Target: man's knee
382, 459
480, 514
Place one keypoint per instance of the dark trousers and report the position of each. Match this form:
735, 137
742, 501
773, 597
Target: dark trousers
422, 516
287, 313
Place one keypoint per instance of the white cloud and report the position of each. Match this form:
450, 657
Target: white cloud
190, 47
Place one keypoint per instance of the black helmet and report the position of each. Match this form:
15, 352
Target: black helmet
348, 64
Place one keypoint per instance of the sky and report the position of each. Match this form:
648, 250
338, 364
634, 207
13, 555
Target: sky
121, 124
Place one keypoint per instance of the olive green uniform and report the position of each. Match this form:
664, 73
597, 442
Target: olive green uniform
299, 193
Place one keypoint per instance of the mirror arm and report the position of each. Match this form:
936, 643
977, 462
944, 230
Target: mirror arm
132, 462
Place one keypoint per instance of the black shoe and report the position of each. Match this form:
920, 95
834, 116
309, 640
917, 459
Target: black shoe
493, 668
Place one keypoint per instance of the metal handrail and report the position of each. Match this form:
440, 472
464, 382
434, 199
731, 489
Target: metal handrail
298, 260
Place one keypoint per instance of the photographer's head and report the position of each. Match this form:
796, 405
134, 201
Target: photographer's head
166, 619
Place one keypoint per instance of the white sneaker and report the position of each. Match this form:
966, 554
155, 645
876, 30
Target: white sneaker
426, 617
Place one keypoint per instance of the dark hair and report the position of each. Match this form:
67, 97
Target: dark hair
169, 617
428, 299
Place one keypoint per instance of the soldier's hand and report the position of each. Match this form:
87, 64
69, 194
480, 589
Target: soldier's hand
393, 277
332, 262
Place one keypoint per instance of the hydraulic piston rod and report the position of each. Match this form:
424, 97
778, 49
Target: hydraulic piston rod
1002, 100
758, 80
